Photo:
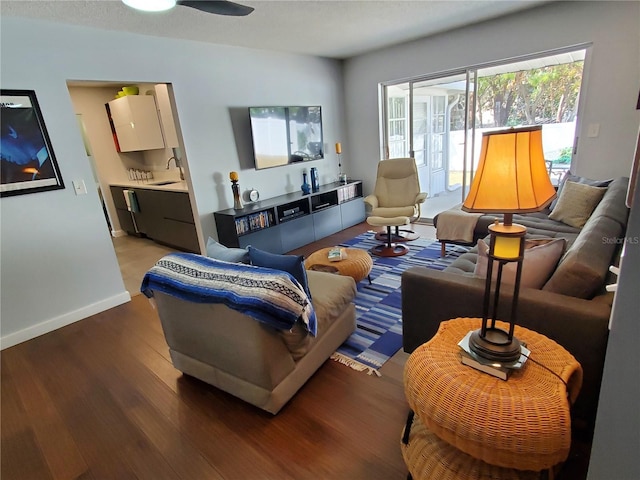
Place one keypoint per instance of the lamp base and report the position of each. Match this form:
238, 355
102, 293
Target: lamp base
495, 346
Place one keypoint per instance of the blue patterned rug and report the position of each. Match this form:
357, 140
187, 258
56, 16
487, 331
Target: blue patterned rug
378, 335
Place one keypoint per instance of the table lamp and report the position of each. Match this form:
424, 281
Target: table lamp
511, 178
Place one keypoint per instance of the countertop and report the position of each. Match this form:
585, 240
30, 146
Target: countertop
178, 186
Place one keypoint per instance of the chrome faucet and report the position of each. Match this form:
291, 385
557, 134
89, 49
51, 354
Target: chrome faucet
178, 165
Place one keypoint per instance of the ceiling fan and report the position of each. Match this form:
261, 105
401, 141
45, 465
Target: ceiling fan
218, 7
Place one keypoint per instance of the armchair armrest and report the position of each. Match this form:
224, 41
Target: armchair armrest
421, 197
371, 200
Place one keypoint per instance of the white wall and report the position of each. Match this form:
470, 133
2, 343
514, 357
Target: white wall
609, 95
58, 263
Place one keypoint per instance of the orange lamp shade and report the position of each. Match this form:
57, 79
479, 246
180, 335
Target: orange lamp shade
338, 148
512, 175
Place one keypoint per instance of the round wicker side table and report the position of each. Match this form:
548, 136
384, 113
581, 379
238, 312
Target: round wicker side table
523, 423
357, 265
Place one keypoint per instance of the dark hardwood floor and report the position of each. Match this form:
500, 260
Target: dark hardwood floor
99, 399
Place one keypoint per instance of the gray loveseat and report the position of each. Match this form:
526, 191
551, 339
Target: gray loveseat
248, 359
572, 308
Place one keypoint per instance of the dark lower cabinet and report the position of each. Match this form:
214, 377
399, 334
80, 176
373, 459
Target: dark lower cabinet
163, 216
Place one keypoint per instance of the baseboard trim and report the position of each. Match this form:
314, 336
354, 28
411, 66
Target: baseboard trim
63, 320
118, 233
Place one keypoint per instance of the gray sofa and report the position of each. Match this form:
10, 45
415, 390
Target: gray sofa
249, 360
572, 308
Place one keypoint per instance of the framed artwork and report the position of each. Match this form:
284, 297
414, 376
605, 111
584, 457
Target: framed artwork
28, 164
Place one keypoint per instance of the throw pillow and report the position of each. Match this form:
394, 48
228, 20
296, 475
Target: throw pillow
576, 203
218, 251
540, 259
292, 264
570, 177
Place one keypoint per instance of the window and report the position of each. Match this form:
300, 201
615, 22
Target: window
447, 114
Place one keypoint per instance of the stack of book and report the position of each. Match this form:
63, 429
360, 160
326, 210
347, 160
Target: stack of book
336, 254
502, 371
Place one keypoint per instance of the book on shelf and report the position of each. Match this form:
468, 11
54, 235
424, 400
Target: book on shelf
467, 357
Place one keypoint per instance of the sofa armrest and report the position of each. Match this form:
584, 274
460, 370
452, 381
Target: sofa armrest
580, 326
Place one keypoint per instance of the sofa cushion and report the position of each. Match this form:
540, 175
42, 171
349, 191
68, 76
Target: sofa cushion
331, 296
613, 204
570, 177
584, 267
540, 259
576, 203
218, 251
294, 264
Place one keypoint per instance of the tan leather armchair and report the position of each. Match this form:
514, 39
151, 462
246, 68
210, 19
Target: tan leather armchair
397, 192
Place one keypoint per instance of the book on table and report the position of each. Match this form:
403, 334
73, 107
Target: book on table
501, 371
336, 254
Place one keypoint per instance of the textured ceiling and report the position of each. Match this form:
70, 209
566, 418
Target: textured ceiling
328, 28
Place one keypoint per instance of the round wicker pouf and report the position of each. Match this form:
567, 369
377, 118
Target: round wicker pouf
522, 423
428, 457
357, 265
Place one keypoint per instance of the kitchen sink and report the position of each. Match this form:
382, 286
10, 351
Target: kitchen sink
168, 182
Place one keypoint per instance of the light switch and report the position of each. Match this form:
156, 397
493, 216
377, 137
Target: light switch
594, 130
79, 187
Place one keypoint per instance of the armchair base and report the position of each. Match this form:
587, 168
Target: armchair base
389, 249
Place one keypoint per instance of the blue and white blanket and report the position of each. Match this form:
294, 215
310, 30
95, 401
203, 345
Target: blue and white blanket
272, 297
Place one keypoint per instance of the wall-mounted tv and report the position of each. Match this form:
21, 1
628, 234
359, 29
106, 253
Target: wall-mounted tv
284, 135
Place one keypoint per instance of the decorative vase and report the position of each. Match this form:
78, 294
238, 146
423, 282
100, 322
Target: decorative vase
315, 180
235, 188
306, 188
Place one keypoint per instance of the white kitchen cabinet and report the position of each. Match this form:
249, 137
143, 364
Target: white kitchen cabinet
136, 123
166, 116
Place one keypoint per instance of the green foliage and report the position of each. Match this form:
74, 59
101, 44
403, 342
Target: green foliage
536, 96
565, 156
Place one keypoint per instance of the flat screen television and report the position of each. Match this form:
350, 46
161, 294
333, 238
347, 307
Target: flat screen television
285, 135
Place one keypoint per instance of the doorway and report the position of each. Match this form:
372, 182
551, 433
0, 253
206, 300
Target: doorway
110, 166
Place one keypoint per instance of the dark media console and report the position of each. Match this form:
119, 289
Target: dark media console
287, 222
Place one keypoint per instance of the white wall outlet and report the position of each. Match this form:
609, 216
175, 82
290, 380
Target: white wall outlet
79, 187
594, 130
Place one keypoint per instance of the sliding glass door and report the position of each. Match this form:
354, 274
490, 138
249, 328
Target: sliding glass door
426, 121
439, 120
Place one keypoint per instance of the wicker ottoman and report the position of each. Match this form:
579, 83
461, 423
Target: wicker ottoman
357, 265
523, 423
428, 457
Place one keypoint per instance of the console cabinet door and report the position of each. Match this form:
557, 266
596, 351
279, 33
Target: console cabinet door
297, 233
327, 222
352, 212
268, 240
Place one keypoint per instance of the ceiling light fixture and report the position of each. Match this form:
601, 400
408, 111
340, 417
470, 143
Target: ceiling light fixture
150, 5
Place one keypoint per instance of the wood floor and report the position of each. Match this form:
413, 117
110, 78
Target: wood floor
136, 256
99, 399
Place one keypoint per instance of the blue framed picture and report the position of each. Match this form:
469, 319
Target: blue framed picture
28, 164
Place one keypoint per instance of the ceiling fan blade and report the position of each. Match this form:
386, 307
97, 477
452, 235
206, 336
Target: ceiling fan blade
219, 7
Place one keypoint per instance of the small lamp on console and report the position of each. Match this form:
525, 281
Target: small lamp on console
511, 178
